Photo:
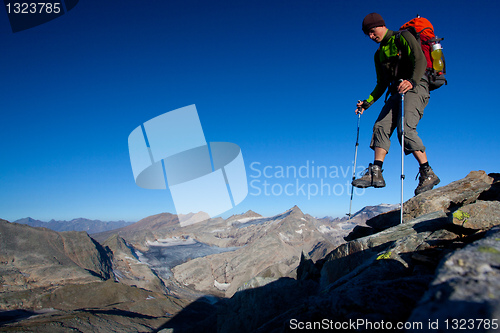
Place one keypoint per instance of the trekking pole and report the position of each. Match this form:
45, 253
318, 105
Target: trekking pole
355, 159
402, 150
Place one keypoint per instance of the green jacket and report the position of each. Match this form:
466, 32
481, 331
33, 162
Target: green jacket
411, 66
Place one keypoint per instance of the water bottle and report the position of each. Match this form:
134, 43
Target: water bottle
437, 55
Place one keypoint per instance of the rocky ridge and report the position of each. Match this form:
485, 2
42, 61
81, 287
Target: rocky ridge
441, 264
31, 257
56, 281
268, 250
128, 268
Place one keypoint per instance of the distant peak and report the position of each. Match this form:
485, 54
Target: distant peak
192, 218
249, 213
295, 210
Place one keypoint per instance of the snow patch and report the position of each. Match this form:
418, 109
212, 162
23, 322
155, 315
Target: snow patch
247, 219
221, 286
325, 229
283, 237
118, 274
299, 231
218, 230
347, 226
142, 258
174, 241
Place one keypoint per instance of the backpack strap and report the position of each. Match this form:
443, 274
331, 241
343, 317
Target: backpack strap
397, 41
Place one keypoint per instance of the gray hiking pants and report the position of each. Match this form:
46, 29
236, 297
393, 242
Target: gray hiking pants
390, 118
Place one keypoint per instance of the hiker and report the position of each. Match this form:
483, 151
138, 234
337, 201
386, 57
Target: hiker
398, 75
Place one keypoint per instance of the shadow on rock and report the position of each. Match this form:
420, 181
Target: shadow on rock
247, 311
14, 315
199, 316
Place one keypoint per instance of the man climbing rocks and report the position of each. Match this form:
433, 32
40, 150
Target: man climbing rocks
403, 74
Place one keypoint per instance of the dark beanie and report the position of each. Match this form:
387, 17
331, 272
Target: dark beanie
371, 21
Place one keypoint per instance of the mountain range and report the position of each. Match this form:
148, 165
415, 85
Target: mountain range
79, 224
154, 263
363, 215
219, 256
250, 273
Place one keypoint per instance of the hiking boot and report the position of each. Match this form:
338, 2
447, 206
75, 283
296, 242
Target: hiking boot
427, 180
372, 177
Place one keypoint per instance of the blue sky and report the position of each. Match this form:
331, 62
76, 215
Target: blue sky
278, 78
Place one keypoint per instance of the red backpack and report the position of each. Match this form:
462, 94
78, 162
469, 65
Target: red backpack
423, 31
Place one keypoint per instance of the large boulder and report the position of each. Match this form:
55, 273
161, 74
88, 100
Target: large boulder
479, 215
448, 198
353, 254
466, 289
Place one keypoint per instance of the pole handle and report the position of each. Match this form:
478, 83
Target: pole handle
359, 108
